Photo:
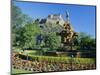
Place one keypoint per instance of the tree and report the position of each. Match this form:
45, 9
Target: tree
52, 40
18, 21
86, 42
18, 18
30, 34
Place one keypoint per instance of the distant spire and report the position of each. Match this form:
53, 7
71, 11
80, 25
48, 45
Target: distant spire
67, 16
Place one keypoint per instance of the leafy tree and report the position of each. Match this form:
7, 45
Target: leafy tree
18, 18
18, 21
86, 42
30, 34
52, 40
20, 38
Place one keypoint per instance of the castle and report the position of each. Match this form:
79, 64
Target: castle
53, 20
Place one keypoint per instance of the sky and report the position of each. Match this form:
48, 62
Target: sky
82, 18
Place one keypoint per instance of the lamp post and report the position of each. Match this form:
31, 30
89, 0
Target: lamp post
25, 53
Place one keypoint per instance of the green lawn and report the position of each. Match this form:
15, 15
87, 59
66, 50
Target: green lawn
16, 71
34, 55
61, 59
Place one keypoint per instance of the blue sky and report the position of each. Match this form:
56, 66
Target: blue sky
82, 18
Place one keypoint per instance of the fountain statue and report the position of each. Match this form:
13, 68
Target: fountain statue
67, 34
